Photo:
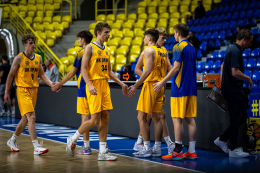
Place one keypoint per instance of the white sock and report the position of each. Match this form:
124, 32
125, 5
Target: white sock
76, 136
139, 140
86, 144
102, 147
178, 142
168, 140
192, 147
147, 145
13, 138
157, 145
35, 143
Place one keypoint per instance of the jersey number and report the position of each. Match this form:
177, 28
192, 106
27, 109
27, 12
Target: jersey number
32, 76
104, 67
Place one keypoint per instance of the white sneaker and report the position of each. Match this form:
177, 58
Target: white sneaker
138, 147
70, 148
39, 150
171, 148
156, 153
106, 157
13, 145
222, 145
238, 152
143, 153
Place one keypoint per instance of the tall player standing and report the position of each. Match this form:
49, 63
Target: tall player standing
96, 70
183, 92
84, 38
26, 67
166, 65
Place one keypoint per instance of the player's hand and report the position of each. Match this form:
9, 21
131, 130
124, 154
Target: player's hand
56, 87
250, 82
7, 98
124, 89
158, 86
164, 98
92, 90
132, 91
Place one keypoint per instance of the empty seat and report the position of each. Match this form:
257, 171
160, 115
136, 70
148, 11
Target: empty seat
222, 54
111, 17
67, 19
38, 20
31, 10
251, 63
38, 27
216, 64
137, 41
152, 7
255, 52
121, 59
201, 66
23, 10
101, 17
121, 17
47, 20
246, 53
214, 54
57, 4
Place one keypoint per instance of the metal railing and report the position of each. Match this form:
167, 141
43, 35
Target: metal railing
22, 28
106, 9
63, 11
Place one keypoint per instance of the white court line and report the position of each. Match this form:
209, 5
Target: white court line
116, 154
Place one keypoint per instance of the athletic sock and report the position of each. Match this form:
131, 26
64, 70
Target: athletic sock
102, 147
192, 146
147, 145
168, 140
157, 145
139, 140
178, 146
76, 136
35, 143
13, 138
86, 144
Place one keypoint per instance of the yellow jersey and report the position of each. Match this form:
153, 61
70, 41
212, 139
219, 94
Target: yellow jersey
28, 72
163, 62
156, 69
98, 63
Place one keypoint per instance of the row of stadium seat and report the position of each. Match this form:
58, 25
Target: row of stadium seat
33, 2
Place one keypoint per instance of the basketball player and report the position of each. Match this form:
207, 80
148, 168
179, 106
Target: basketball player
84, 38
26, 67
96, 70
153, 100
183, 92
167, 66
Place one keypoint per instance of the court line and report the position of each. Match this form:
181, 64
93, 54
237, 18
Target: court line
115, 153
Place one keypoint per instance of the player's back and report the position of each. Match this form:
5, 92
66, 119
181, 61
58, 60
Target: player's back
28, 71
80, 81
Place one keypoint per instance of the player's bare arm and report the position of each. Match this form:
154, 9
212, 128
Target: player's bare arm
169, 66
176, 68
15, 65
85, 60
43, 76
149, 55
139, 65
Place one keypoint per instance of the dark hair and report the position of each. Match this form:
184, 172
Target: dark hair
182, 28
27, 37
4, 57
200, 2
99, 27
239, 26
86, 35
154, 33
244, 33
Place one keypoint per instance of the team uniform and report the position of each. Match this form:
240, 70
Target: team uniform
82, 102
26, 80
150, 101
98, 75
184, 84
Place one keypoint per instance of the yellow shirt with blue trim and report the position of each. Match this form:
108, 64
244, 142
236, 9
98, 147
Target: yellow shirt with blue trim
28, 71
184, 83
99, 62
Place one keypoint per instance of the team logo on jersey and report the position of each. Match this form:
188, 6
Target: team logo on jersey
106, 53
27, 63
99, 52
36, 62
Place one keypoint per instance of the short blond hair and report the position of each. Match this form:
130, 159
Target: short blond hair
162, 31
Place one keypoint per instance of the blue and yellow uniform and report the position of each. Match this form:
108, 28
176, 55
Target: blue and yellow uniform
184, 83
26, 80
82, 102
98, 75
150, 101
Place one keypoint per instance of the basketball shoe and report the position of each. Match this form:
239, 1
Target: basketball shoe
222, 145
107, 149
156, 153
171, 148
238, 152
85, 150
144, 153
106, 157
13, 145
39, 150
138, 147
70, 148
173, 156
190, 156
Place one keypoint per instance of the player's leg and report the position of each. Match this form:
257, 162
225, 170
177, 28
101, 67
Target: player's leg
158, 134
192, 130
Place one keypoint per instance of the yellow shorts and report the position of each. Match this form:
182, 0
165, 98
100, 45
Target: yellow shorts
182, 107
101, 101
82, 106
150, 101
26, 98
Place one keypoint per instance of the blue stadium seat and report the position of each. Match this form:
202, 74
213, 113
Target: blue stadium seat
214, 35
207, 36
196, 22
218, 26
254, 31
258, 40
212, 71
199, 54
235, 15
190, 22
201, 37
228, 17
255, 52
133, 66
203, 46
216, 64
256, 75
240, 22
246, 53
242, 14
200, 28
248, 72
252, 4
201, 66
214, 11
204, 71
246, 22
232, 24
253, 21
258, 62
217, 43
244, 62
258, 4
245, 6
222, 35
250, 13
208, 13
206, 27
226, 9
136, 76
202, 20
208, 65
257, 12
208, 19
245, 85
122, 68
228, 33
210, 44
225, 25
251, 62
219, 10
239, 7
214, 54
232, 8
214, 19
212, 27
222, 54
136, 59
